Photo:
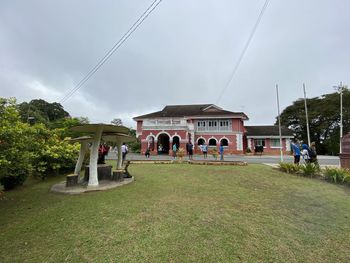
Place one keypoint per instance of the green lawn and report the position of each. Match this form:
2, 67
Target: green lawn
181, 213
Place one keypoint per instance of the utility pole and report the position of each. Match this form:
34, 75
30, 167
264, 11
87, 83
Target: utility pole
307, 117
279, 124
341, 115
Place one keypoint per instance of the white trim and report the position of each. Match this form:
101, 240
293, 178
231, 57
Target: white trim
200, 138
288, 145
269, 137
224, 137
150, 135
212, 137
162, 133
176, 135
212, 106
239, 142
221, 133
215, 117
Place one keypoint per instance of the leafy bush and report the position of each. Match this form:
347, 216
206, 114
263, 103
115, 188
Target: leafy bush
309, 169
337, 175
180, 152
51, 154
290, 168
215, 153
248, 150
15, 157
26, 149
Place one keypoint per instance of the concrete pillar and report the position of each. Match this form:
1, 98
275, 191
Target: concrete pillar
93, 179
120, 159
83, 148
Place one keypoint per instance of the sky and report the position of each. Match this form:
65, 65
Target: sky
183, 53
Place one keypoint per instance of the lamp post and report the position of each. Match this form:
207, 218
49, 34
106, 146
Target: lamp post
340, 89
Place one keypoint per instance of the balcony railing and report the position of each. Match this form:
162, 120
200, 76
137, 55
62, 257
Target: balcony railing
213, 129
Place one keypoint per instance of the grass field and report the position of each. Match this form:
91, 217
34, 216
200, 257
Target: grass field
181, 213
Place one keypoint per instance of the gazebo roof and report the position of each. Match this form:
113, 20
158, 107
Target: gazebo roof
92, 128
81, 139
118, 137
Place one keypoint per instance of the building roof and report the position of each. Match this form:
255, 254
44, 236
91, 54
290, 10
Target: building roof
268, 130
198, 110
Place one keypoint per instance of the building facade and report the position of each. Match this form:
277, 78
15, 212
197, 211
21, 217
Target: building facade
268, 137
205, 123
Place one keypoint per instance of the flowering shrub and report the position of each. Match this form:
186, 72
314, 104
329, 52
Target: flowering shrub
26, 149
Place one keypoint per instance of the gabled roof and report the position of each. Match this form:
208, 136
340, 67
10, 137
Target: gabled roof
269, 130
198, 110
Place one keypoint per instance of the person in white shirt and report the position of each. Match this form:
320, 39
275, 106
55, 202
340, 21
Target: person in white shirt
305, 153
124, 151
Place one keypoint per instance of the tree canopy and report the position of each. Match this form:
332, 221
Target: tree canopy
42, 111
324, 120
34, 148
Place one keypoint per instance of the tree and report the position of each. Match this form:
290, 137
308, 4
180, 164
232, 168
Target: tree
117, 122
136, 145
324, 120
42, 111
14, 153
32, 149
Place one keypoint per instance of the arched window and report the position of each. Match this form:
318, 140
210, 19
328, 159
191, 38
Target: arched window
176, 140
212, 142
201, 141
224, 142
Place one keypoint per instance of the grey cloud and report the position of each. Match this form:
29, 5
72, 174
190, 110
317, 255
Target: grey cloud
184, 52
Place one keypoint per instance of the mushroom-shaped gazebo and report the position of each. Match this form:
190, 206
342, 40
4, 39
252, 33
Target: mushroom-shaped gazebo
83, 140
108, 132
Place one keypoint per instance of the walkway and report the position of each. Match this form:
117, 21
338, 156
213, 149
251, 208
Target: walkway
272, 159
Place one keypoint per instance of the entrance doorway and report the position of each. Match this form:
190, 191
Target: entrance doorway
176, 140
163, 144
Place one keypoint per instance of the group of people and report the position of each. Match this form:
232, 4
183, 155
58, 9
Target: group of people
308, 153
104, 149
102, 152
189, 150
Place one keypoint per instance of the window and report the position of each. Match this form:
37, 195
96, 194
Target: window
259, 142
275, 143
224, 142
212, 142
212, 123
201, 124
223, 123
201, 141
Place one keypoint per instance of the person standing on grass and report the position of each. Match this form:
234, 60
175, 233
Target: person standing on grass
313, 153
147, 153
305, 153
221, 149
190, 150
124, 151
296, 152
174, 150
205, 150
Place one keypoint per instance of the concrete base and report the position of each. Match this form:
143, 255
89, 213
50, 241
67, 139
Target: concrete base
104, 172
83, 188
118, 175
72, 180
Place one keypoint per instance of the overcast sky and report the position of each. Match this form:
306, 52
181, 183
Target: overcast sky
183, 53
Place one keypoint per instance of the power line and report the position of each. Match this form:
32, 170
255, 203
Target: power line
244, 49
116, 46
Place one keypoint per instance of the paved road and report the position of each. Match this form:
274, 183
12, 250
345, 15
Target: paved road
322, 159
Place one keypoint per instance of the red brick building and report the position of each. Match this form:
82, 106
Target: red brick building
179, 124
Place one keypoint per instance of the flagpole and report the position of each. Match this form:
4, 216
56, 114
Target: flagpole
341, 115
279, 124
307, 117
